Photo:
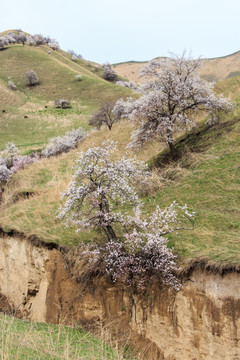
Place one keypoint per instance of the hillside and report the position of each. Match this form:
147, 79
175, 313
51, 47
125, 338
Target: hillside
32, 107
216, 69
205, 176
44, 273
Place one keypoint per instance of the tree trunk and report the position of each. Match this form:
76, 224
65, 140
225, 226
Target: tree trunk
104, 207
110, 233
170, 143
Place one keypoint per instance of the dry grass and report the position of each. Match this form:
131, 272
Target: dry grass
46, 180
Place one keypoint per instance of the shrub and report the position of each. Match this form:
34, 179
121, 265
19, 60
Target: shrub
9, 153
128, 84
108, 73
65, 143
143, 253
31, 78
11, 38
3, 41
21, 162
54, 45
12, 85
4, 174
74, 58
62, 104
78, 77
73, 53
39, 39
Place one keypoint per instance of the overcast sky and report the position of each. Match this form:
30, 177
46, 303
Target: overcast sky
124, 30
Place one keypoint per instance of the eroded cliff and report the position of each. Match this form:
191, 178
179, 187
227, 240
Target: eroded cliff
202, 321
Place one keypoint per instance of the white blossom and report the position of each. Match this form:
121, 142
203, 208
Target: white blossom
9, 153
100, 189
172, 94
63, 144
4, 174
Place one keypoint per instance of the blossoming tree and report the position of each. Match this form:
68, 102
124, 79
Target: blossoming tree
171, 95
101, 188
101, 196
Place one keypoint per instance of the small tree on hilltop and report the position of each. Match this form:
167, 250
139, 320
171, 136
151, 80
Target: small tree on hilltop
21, 38
54, 45
3, 41
39, 39
108, 73
31, 78
104, 115
171, 96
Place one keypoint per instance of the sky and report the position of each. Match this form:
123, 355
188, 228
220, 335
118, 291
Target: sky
126, 30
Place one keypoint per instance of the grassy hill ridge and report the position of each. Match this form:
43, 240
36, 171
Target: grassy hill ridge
214, 69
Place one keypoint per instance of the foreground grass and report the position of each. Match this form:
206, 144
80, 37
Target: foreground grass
26, 340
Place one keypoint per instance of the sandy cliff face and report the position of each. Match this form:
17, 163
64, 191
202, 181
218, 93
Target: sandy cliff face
202, 321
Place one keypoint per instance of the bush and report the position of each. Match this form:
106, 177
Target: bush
39, 39
62, 104
3, 41
12, 85
4, 174
54, 45
21, 162
31, 78
73, 53
65, 143
74, 58
78, 77
108, 73
11, 161
9, 154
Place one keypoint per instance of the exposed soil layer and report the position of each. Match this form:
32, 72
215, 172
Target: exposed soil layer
201, 321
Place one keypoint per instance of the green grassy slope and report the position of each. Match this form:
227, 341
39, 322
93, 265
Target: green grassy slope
207, 178
56, 72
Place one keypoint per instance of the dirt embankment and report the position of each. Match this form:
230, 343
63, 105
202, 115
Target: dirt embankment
202, 321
